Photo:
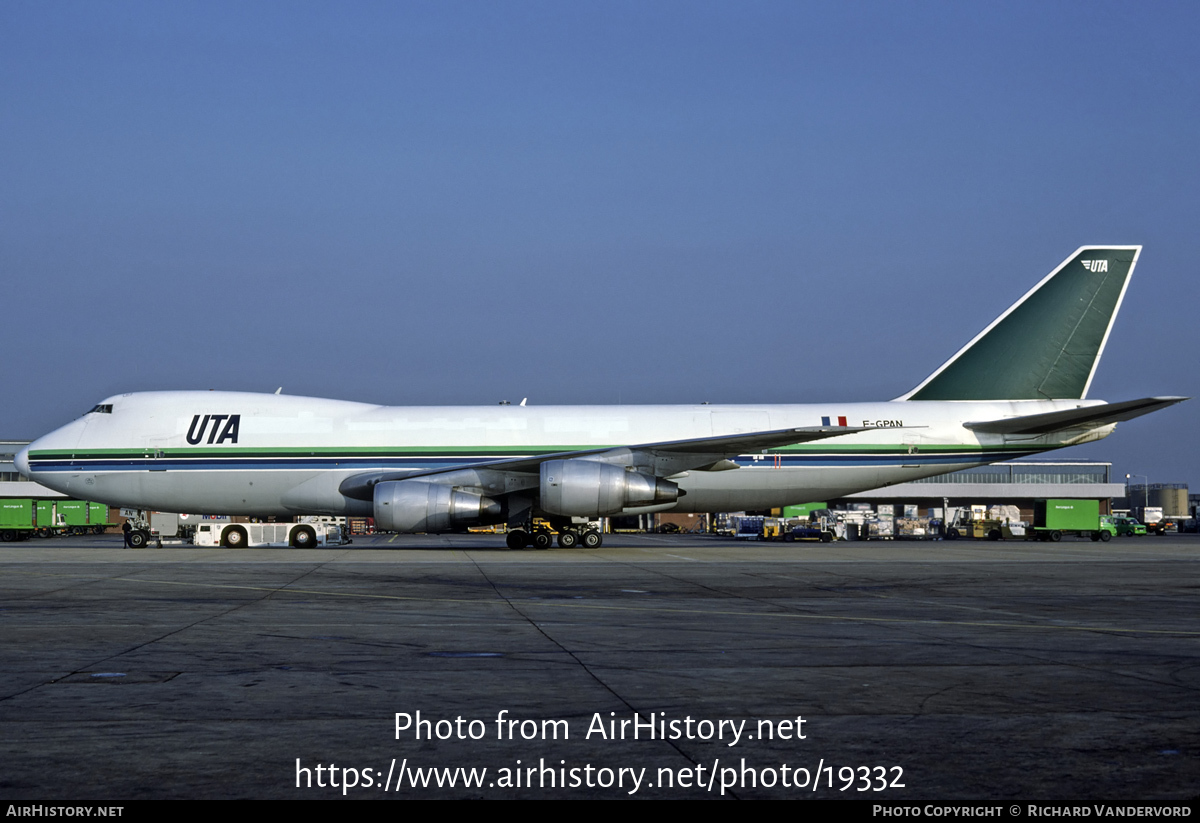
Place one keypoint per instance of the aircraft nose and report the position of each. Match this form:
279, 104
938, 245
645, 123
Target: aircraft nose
22, 461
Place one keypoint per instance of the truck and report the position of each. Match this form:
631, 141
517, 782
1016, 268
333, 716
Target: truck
81, 516
1053, 518
1152, 516
18, 519
22, 518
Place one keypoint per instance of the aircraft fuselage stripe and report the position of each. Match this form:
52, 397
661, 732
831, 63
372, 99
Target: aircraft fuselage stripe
428, 461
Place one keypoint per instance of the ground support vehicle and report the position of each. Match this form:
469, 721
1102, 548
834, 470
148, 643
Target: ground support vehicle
337, 529
163, 528
777, 528
999, 530
809, 531
177, 529
243, 535
989, 529
1053, 518
962, 527
821, 525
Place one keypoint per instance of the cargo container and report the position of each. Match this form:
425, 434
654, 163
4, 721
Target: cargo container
748, 527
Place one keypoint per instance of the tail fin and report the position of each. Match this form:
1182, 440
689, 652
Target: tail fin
1047, 345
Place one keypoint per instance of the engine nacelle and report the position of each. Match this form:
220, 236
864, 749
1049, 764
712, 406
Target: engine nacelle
588, 488
418, 506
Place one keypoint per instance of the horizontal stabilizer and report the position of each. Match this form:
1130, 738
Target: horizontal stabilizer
1074, 418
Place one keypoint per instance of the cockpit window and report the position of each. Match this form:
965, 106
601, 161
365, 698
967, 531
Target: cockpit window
103, 408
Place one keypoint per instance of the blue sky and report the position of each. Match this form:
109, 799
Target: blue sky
651, 202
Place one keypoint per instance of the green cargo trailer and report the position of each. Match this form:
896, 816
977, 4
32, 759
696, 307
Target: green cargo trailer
82, 516
18, 519
1054, 518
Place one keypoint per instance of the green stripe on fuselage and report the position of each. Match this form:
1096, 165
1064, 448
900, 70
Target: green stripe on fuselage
484, 452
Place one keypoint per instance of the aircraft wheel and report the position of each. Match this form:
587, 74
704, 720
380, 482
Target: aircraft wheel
568, 539
1105, 537
541, 540
234, 538
303, 538
138, 539
516, 539
1055, 536
592, 539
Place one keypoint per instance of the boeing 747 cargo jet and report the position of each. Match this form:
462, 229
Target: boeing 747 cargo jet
1019, 388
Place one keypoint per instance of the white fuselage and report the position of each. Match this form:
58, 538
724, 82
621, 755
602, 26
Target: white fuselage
264, 454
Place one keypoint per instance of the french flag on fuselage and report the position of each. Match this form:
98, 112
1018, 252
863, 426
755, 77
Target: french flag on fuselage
825, 421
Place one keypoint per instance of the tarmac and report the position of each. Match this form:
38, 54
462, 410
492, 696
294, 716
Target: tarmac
658, 666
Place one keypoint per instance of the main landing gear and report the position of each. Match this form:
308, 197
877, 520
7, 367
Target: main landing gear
568, 538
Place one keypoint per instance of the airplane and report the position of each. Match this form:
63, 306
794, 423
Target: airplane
1018, 388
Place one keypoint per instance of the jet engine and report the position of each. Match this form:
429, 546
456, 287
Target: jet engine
588, 488
419, 506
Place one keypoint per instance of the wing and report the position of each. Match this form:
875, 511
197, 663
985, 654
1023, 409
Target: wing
660, 459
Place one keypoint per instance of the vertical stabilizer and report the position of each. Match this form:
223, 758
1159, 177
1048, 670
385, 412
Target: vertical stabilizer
1047, 345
